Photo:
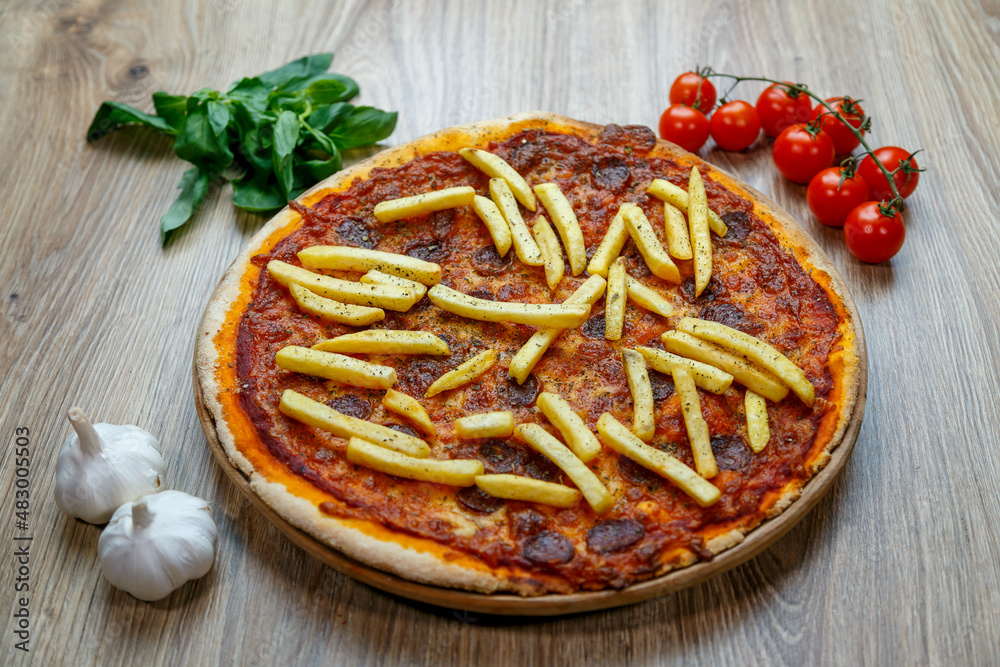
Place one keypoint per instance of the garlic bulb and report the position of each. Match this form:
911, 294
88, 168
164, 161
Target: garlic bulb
101, 466
157, 543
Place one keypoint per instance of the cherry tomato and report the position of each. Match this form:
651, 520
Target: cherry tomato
686, 127
778, 109
735, 125
685, 90
844, 140
799, 155
890, 157
831, 200
872, 236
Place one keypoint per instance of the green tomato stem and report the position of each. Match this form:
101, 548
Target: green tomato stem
896, 203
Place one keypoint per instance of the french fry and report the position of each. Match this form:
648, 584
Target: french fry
611, 245
453, 472
677, 196
758, 431
701, 241
520, 366
697, 427
657, 259
593, 490
337, 367
526, 489
464, 373
562, 315
495, 166
345, 291
580, 439
524, 246
623, 441
678, 241
495, 223
345, 258
614, 301
551, 251
385, 341
760, 381
428, 202
564, 219
754, 350
328, 309
643, 420
647, 297
408, 407
319, 415
705, 376
375, 277
498, 424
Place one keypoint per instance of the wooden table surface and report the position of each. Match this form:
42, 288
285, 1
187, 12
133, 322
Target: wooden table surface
900, 563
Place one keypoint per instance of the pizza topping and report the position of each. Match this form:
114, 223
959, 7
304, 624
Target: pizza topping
495, 223
647, 298
477, 500
643, 418
524, 245
550, 548
701, 243
526, 489
614, 535
757, 430
501, 457
408, 407
566, 223
551, 251
762, 382
408, 207
635, 137
353, 405
565, 315
311, 412
614, 301
694, 421
611, 173
708, 377
464, 373
678, 239
334, 311
657, 259
590, 485
730, 453
617, 437
594, 327
453, 472
487, 261
344, 258
611, 245
156, 544
522, 395
580, 439
336, 367
385, 341
102, 466
344, 291
496, 167
677, 196
499, 424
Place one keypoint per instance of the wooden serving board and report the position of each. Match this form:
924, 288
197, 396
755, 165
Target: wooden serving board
551, 605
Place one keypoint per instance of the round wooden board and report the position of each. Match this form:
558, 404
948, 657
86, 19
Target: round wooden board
552, 605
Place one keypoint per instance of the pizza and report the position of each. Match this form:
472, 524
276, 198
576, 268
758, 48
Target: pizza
767, 282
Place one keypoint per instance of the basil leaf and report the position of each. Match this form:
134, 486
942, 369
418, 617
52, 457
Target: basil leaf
112, 115
194, 187
256, 195
249, 89
197, 143
218, 118
320, 169
325, 142
171, 108
327, 88
286, 136
303, 67
326, 117
363, 126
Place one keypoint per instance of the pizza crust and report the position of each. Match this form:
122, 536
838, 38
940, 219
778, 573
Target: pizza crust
406, 556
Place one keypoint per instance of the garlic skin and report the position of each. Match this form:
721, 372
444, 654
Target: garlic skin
158, 543
101, 466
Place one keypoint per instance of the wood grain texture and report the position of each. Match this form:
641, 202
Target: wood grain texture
900, 563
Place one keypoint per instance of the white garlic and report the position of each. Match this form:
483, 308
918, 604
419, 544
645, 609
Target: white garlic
157, 543
101, 466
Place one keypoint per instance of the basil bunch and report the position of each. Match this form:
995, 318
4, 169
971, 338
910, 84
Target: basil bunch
284, 130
